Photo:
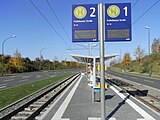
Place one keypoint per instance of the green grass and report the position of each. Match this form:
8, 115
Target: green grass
11, 95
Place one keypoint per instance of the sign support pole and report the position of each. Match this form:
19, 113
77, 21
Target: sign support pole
101, 33
94, 79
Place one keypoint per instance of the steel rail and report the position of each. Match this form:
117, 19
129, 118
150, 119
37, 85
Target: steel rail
31, 106
144, 97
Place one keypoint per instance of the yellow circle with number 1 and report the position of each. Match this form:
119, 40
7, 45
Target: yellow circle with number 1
113, 11
80, 12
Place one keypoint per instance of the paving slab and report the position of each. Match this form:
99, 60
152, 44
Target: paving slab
77, 105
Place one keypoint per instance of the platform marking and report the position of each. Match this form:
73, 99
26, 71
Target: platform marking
50, 108
112, 118
65, 119
65, 103
96, 118
134, 106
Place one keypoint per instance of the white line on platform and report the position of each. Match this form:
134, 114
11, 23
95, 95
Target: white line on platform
65, 119
112, 118
50, 108
134, 106
96, 118
142, 119
65, 103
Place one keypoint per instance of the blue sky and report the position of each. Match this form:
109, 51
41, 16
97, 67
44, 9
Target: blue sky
33, 33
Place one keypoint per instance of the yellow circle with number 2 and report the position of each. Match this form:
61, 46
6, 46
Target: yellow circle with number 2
113, 11
80, 12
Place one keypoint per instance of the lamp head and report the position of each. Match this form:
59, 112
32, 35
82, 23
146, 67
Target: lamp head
13, 36
146, 27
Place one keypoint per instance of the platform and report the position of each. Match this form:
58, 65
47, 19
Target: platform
76, 104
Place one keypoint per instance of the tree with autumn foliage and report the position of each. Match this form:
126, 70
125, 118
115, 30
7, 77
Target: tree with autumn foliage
17, 62
156, 46
126, 62
126, 59
139, 53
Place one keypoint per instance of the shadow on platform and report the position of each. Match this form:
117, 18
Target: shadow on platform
107, 97
117, 108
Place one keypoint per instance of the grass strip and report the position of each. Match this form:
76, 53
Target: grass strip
11, 95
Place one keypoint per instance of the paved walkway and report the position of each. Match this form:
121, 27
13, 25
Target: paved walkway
76, 104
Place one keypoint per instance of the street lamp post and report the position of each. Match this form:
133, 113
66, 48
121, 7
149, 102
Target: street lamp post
148, 28
41, 58
5, 41
3, 50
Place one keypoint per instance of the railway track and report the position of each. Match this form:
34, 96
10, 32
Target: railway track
31, 106
142, 95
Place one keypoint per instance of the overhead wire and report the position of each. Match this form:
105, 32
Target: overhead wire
145, 12
48, 22
65, 30
135, 4
58, 19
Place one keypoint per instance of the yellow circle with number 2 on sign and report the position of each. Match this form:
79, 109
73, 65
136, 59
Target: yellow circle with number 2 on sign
80, 12
113, 11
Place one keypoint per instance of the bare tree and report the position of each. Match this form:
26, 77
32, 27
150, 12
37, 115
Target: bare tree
139, 53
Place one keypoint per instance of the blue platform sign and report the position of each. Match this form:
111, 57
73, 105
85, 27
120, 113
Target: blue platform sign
118, 22
85, 23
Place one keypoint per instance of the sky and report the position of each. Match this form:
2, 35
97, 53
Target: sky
33, 33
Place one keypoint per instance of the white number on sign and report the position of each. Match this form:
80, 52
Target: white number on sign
125, 10
93, 12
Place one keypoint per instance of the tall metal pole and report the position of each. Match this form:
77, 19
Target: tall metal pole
89, 48
101, 20
94, 78
149, 40
41, 58
148, 28
5, 41
3, 51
